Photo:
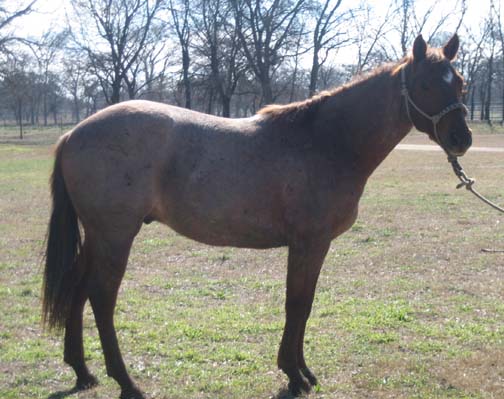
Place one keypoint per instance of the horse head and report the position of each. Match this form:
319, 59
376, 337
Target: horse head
433, 89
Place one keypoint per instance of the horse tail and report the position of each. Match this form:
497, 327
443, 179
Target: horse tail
61, 274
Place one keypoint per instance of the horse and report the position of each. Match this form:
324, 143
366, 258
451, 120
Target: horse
291, 175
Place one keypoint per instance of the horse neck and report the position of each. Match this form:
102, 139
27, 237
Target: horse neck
369, 118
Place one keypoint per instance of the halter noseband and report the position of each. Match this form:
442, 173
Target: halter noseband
435, 118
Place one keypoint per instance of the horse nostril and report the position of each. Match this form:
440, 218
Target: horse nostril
461, 139
455, 139
469, 139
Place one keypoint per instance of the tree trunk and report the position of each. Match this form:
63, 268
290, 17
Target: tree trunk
210, 101
482, 99
44, 105
314, 74
267, 93
472, 102
488, 97
502, 105
76, 108
187, 83
226, 106
131, 92
115, 97
20, 113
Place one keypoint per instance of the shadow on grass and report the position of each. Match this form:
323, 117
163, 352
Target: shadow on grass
64, 394
284, 393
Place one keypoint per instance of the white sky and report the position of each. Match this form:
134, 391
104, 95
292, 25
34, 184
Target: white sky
51, 14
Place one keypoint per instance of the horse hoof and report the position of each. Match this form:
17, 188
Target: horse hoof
87, 382
297, 388
131, 393
309, 376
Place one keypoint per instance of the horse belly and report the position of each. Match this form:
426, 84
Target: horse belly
220, 206
229, 234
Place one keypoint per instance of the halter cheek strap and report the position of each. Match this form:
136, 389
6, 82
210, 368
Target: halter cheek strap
434, 118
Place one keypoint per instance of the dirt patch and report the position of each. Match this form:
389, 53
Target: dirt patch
479, 373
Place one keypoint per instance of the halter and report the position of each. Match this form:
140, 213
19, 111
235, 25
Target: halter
435, 118
465, 181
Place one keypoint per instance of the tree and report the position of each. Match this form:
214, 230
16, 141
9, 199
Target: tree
120, 26
487, 100
329, 34
469, 58
219, 47
412, 22
499, 31
7, 17
17, 85
151, 64
370, 30
45, 52
267, 32
181, 25
73, 81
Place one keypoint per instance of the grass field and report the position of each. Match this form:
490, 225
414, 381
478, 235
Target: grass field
408, 306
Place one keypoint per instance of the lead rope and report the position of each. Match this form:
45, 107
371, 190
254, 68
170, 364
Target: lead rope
465, 181
468, 183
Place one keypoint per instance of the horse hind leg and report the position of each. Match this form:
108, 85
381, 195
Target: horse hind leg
109, 259
74, 348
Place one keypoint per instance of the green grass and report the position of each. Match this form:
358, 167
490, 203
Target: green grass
406, 307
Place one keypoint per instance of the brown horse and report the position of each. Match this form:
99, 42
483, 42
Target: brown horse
290, 176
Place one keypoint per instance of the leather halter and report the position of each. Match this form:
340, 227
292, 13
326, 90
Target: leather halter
434, 118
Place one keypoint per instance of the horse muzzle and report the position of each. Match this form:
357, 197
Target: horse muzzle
458, 142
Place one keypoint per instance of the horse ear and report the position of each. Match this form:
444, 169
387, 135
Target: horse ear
450, 49
419, 49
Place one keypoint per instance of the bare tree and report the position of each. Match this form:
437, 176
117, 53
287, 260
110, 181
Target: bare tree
180, 13
156, 61
267, 31
487, 100
469, 59
330, 33
411, 21
151, 64
499, 31
123, 27
370, 30
7, 17
17, 86
45, 51
73, 81
219, 47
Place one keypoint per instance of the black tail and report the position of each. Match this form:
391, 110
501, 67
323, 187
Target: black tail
63, 247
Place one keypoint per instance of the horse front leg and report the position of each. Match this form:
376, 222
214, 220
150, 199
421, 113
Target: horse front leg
305, 370
304, 263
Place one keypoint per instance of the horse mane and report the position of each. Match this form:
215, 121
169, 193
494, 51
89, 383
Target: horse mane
300, 110
304, 111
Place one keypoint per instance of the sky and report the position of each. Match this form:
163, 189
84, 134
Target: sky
51, 14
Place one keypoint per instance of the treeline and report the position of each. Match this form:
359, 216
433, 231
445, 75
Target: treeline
229, 57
